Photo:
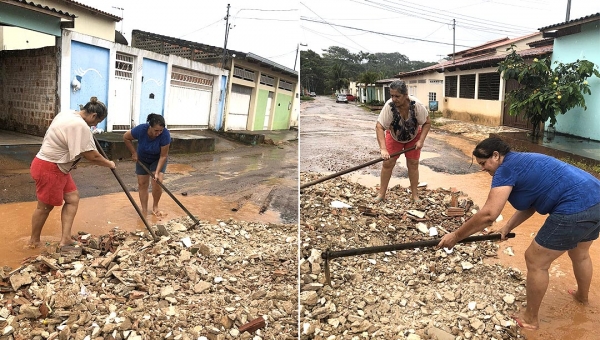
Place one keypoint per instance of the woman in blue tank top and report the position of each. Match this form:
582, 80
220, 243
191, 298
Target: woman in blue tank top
534, 182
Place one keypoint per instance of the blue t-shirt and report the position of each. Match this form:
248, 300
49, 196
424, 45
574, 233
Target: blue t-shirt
544, 182
148, 150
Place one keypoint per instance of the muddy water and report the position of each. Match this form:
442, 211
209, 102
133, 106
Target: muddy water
116, 211
560, 316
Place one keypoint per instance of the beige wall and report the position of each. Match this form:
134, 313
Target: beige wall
14, 38
87, 22
421, 90
486, 112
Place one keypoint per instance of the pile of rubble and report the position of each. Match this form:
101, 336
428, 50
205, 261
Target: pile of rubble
215, 281
407, 294
475, 132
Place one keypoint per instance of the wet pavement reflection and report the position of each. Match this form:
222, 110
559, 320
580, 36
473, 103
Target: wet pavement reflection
99, 215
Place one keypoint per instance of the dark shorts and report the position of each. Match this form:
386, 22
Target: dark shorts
564, 232
393, 146
152, 166
51, 184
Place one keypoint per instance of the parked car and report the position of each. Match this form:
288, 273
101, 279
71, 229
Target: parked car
341, 98
312, 94
350, 97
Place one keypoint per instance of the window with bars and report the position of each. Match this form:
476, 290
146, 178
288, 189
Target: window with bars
432, 96
467, 86
267, 80
245, 74
435, 81
489, 86
285, 85
422, 81
450, 87
124, 66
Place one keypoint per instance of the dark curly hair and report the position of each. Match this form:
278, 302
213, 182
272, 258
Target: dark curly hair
154, 119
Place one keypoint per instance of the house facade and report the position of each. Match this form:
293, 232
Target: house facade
468, 87
575, 40
260, 94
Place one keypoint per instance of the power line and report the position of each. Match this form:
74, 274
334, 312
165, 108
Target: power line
334, 27
466, 18
379, 33
429, 15
201, 28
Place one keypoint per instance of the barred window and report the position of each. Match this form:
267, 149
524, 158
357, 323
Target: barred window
432, 96
450, 86
467, 86
489, 86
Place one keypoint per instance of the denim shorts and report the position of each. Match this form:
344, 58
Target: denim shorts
564, 232
152, 167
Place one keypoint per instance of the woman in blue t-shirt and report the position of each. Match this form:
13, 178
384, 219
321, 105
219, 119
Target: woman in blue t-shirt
153, 141
534, 182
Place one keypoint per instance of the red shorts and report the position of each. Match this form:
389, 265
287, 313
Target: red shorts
393, 146
51, 184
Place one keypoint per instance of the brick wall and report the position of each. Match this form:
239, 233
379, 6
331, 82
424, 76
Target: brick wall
28, 89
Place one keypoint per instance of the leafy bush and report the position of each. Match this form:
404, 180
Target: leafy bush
546, 91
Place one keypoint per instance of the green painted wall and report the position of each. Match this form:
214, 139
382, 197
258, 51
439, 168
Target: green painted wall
282, 113
29, 19
261, 107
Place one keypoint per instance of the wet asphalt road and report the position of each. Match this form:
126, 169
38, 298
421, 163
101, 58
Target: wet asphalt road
262, 174
336, 136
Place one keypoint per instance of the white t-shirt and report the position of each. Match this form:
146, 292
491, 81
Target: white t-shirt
67, 137
404, 130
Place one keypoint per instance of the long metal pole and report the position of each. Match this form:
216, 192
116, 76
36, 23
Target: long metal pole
402, 246
305, 185
196, 222
127, 192
226, 36
329, 255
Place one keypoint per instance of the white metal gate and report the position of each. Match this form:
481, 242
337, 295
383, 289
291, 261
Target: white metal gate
268, 110
120, 120
189, 100
239, 105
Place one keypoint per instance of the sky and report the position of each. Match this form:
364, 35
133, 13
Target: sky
268, 28
423, 29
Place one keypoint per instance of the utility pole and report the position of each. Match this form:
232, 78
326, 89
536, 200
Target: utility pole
226, 36
568, 10
298, 50
122, 9
453, 39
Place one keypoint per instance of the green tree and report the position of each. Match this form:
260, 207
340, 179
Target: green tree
546, 91
338, 77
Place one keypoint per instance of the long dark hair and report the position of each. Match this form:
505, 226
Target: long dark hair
486, 148
97, 107
154, 119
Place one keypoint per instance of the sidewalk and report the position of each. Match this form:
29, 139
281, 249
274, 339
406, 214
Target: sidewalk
578, 149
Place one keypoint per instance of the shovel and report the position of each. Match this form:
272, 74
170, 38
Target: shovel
99, 147
196, 222
305, 185
329, 255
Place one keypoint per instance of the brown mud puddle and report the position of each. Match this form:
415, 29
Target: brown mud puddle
99, 215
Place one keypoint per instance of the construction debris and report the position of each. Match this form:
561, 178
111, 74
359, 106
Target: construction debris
409, 294
214, 282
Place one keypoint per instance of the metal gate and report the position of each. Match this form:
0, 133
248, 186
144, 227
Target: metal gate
507, 118
239, 105
123, 96
189, 100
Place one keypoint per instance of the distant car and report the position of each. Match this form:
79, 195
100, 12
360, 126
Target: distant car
312, 94
350, 97
341, 98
